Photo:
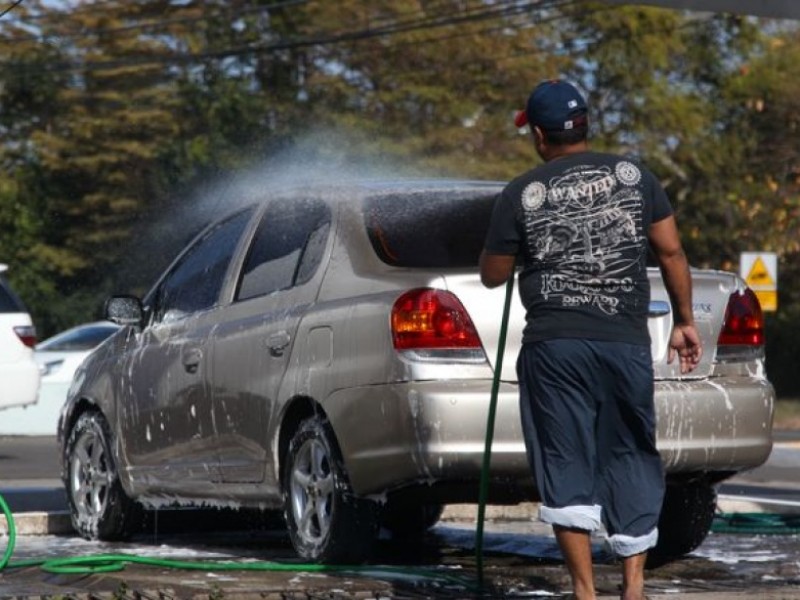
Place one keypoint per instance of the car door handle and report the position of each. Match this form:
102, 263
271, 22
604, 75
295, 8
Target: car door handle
278, 342
191, 359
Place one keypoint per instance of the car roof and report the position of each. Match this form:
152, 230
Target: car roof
353, 192
378, 186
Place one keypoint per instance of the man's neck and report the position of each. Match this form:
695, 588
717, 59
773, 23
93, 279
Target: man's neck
555, 152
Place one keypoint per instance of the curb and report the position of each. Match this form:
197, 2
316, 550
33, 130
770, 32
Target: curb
529, 511
748, 504
526, 511
59, 523
39, 523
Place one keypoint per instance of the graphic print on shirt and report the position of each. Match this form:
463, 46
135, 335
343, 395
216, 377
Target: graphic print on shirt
584, 229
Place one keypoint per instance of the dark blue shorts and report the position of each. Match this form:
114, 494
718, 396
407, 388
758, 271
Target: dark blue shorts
589, 424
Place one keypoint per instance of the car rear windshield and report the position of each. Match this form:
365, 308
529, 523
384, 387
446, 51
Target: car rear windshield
431, 229
9, 302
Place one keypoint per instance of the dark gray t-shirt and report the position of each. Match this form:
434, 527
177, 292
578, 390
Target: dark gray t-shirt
579, 224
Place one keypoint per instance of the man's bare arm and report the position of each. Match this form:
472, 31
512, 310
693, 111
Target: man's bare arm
666, 245
496, 268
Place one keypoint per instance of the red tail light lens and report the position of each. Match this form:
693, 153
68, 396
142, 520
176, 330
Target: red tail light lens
27, 334
426, 318
744, 321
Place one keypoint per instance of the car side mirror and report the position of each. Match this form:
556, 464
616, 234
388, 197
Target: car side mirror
125, 310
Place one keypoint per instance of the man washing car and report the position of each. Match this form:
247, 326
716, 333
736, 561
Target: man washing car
581, 224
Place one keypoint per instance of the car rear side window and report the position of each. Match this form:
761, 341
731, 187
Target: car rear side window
287, 247
429, 229
195, 282
9, 302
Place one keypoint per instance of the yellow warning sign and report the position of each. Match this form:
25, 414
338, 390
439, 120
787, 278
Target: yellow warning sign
768, 299
760, 272
759, 275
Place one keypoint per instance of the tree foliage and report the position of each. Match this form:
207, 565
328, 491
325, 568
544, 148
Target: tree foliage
113, 112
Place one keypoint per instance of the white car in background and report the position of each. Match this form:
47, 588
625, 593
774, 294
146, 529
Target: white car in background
59, 356
19, 374
55, 360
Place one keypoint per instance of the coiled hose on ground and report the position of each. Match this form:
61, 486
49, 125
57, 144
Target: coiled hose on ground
105, 563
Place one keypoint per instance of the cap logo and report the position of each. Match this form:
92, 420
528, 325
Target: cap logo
572, 103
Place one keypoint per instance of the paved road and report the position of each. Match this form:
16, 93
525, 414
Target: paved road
28, 458
521, 561
31, 462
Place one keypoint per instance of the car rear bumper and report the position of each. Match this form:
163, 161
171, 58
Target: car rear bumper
20, 384
433, 433
719, 424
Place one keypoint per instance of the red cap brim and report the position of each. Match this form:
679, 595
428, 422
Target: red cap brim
520, 119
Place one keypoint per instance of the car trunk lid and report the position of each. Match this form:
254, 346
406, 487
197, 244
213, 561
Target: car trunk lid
711, 291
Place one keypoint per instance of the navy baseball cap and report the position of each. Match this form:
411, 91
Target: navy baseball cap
554, 105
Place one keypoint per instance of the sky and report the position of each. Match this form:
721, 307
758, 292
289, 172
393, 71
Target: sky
780, 9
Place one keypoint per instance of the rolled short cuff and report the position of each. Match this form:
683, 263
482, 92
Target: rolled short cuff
586, 518
625, 545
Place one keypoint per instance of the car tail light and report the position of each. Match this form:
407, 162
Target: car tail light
424, 319
27, 334
742, 335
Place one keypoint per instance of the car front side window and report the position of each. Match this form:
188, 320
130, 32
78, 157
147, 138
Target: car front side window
195, 283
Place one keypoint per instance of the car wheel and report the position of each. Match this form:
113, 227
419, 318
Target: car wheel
686, 519
405, 520
327, 522
99, 507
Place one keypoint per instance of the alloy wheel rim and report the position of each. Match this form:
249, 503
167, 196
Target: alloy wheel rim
312, 489
90, 476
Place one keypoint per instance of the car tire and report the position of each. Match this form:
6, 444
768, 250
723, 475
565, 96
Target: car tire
99, 507
686, 518
327, 523
405, 520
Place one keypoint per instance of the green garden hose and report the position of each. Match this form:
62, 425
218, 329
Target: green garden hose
756, 523
12, 533
487, 449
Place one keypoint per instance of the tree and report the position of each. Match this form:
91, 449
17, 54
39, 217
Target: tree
114, 113
434, 83
658, 80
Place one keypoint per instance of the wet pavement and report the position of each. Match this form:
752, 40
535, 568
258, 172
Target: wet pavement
521, 560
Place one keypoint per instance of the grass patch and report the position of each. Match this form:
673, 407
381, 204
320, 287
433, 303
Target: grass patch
787, 413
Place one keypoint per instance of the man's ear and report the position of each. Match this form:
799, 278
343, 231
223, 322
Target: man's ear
539, 140
538, 135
